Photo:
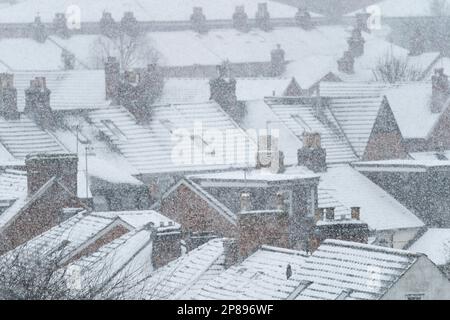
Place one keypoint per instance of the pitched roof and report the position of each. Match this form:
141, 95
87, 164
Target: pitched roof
409, 102
81, 230
262, 276
378, 209
23, 136
13, 190
301, 116
435, 243
186, 275
75, 89
192, 90
405, 8
148, 10
349, 270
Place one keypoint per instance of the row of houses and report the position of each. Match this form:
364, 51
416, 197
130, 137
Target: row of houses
282, 170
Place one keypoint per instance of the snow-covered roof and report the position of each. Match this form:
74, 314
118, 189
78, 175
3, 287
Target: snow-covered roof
345, 129
23, 136
291, 174
403, 165
262, 276
78, 232
192, 90
186, 275
378, 209
28, 54
349, 270
75, 89
435, 243
13, 193
409, 101
405, 8
144, 10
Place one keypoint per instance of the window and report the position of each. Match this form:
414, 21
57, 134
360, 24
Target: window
415, 296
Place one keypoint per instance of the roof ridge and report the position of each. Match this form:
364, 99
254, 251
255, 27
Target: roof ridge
369, 247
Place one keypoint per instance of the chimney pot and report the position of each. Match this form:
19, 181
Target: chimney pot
329, 213
356, 213
8, 97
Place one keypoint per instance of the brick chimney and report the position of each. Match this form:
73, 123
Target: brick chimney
38, 32
231, 252
37, 103
112, 79
8, 97
198, 20
68, 60
344, 229
277, 61
108, 27
259, 227
346, 63
43, 167
303, 19
440, 90
129, 25
60, 25
312, 155
223, 91
417, 43
262, 17
356, 43
240, 19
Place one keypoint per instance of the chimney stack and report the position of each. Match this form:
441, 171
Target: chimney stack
346, 63
262, 17
312, 155
223, 91
356, 213
37, 103
112, 79
240, 19
356, 43
60, 25
198, 20
303, 19
417, 43
277, 61
129, 25
68, 60
108, 26
329, 213
440, 90
231, 252
38, 32
8, 97
43, 167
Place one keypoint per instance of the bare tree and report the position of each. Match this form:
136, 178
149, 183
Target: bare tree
392, 69
131, 51
40, 273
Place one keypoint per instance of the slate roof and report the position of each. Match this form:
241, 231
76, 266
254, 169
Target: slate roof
186, 275
23, 136
352, 271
